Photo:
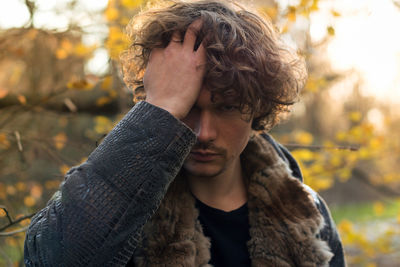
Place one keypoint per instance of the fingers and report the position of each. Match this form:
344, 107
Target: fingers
176, 39
189, 42
201, 55
191, 35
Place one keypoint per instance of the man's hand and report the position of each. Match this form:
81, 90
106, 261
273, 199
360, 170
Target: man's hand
174, 75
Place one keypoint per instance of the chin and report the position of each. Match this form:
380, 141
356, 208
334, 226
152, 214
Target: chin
202, 170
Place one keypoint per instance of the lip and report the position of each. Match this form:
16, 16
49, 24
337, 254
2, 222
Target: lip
203, 156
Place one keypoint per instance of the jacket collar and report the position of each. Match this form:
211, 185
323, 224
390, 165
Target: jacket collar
284, 220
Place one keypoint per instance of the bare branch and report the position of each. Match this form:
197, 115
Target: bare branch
13, 222
18, 137
7, 214
317, 147
13, 232
70, 105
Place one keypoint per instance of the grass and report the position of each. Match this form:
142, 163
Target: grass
363, 212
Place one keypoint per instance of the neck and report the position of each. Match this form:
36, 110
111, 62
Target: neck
225, 191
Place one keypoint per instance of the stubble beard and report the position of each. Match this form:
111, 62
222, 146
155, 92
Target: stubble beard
210, 169
201, 170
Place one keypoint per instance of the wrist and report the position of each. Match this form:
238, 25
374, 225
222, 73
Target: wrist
169, 108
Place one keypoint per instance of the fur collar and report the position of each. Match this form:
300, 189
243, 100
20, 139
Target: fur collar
284, 220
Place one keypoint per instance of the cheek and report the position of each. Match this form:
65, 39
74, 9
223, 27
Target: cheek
238, 135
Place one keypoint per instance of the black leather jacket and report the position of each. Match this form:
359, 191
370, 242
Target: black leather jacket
96, 217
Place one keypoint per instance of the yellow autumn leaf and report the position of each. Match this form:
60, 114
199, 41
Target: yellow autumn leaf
111, 13
284, 29
112, 94
330, 30
320, 184
311, 85
344, 174
270, 11
21, 99
375, 143
61, 53
25, 222
389, 178
335, 160
4, 143
314, 6
117, 42
102, 124
3, 93
355, 116
131, 3
335, 13
106, 83
82, 50
378, 208
66, 45
3, 194
80, 85
303, 154
341, 136
364, 153
29, 201
101, 101
345, 226
124, 20
20, 186
356, 133
303, 138
54, 184
115, 33
317, 168
367, 128
64, 169
60, 140
2, 213
291, 15
65, 49
11, 190
36, 191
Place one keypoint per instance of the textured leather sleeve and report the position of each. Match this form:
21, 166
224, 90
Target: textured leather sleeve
96, 217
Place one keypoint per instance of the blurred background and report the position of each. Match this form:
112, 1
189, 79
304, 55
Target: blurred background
61, 91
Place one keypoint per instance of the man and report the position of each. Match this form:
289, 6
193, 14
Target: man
183, 180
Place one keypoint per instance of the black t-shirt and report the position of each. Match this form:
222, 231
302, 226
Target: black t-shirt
229, 233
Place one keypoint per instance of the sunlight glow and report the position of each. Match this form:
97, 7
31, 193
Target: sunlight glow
13, 14
366, 40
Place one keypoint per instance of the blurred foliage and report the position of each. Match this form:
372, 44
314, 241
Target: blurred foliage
54, 113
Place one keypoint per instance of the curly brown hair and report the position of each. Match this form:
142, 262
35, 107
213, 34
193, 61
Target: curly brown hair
245, 58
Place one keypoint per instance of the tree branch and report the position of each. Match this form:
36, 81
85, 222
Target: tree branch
12, 222
14, 232
317, 147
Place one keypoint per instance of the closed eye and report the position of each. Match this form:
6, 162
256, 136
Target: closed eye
228, 108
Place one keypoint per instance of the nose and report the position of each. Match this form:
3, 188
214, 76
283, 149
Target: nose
205, 127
